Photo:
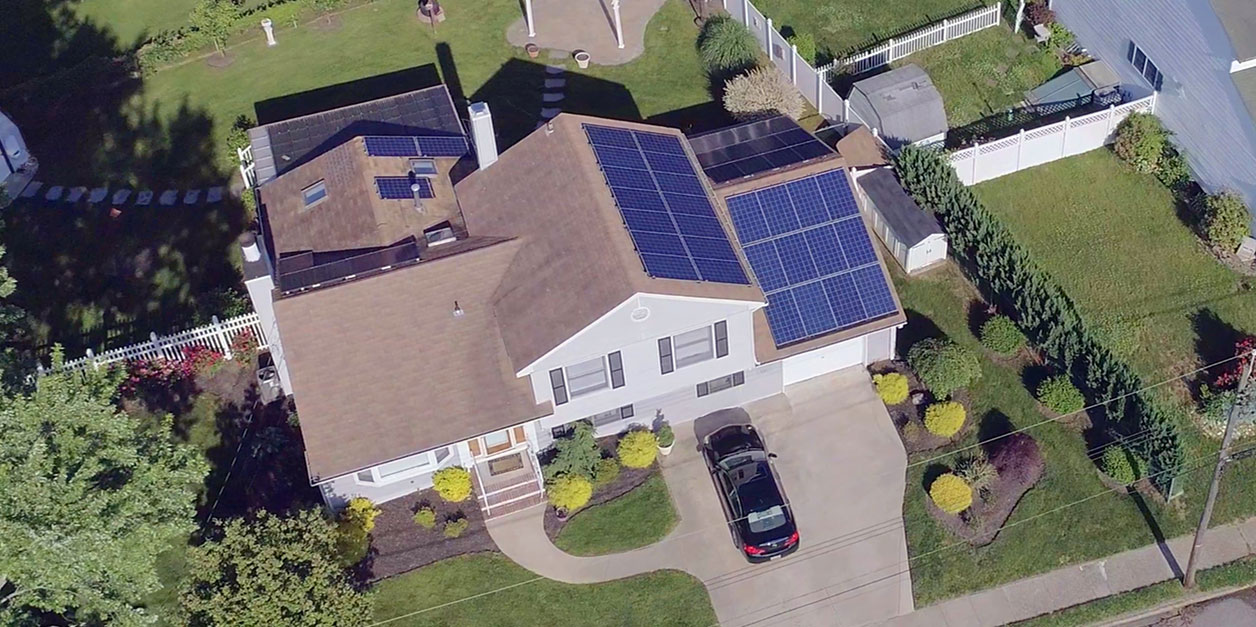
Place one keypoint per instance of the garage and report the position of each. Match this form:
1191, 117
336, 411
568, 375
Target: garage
862, 350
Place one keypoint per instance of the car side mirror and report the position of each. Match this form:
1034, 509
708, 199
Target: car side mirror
771, 455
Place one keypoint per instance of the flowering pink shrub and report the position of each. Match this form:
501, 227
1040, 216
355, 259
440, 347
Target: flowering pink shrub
155, 375
245, 344
1234, 369
202, 359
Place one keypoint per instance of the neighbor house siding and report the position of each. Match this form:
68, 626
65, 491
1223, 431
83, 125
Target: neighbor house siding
1198, 101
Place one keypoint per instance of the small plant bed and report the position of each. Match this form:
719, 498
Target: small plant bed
640, 517
401, 543
625, 480
974, 499
909, 415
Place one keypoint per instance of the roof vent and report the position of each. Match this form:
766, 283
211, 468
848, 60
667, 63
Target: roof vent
458, 312
416, 190
443, 235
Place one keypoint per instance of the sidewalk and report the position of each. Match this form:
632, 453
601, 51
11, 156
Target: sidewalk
1081, 583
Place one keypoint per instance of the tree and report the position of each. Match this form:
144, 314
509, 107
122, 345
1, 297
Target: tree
762, 92
271, 570
576, 454
215, 19
88, 498
327, 6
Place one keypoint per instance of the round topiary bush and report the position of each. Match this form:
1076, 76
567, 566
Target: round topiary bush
945, 419
569, 493
1140, 140
455, 526
638, 448
891, 387
1001, 335
1121, 465
605, 472
943, 366
1224, 218
1060, 395
452, 484
726, 46
951, 494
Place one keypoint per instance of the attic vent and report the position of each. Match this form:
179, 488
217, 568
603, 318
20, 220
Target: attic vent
438, 236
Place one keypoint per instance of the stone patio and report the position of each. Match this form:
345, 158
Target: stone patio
570, 25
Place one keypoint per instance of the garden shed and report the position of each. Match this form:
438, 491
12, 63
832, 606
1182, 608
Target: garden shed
901, 106
1077, 87
913, 236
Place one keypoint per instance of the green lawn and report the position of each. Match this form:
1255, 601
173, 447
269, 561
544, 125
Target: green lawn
131, 21
663, 597
839, 25
641, 517
984, 73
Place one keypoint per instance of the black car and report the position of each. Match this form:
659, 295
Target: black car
762, 520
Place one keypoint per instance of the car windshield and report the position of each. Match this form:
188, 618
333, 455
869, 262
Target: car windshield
766, 520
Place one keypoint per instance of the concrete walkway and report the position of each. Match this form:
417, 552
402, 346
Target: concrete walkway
570, 25
1081, 583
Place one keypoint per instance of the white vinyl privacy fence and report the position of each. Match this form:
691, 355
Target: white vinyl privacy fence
1029, 148
938, 33
218, 336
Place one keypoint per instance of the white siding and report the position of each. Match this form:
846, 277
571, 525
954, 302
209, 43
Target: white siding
1187, 43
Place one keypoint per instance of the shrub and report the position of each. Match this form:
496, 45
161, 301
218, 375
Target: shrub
1017, 459
202, 359
943, 366
1121, 465
1061, 38
1038, 13
945, 419
1215, 405
425, 517
1060, 395
1140, 140
455, 526
353, 530
238, 136
761, 92
452, 484
1174, 173
726, 46
638, 448
605, 472
575, 454
666, 436
1230, 376
891, 387
1001, 335
569, 492
1225, 220
806, 46
976, 470
951, 494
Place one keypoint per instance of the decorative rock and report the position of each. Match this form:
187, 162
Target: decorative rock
917, 398
1247, 250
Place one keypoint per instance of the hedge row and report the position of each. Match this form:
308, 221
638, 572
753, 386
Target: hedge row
1003, 269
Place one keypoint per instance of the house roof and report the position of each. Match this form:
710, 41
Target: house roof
1238, 17
757, 147
577, 261
1245, 82
383, 368
905, 106
909, 222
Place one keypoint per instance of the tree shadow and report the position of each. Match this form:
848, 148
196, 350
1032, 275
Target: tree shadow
978, 314
1033, 375
994, 424
919, 327
932, 472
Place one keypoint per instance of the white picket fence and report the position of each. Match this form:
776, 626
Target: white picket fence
218, 336
1027, 149
935, 34
248, 169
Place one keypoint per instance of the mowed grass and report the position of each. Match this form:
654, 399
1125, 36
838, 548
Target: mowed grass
984, 73
133, 21
840, 25
641, 517
662, 597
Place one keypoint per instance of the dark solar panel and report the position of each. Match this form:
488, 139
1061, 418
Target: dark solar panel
398, 187
754, 147
385, 146
665, 206
345, 268
812, 255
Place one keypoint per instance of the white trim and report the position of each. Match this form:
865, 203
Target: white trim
488, 507
379, 480
1239, 66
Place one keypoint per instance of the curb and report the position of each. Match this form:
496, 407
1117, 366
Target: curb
1164, 610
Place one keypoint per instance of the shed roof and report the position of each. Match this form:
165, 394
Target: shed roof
905, 106
1078, 82
909, 222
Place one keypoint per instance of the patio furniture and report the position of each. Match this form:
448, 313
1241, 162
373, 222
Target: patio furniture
1041, 33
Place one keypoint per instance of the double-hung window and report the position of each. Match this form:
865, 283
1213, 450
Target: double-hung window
692, 347
586, 377
1145, 66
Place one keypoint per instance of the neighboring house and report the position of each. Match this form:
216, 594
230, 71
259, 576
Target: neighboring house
588, 273
17, 166
1201, 58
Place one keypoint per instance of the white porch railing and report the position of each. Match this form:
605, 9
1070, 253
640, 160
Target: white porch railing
248, 169
216, 335
938, 33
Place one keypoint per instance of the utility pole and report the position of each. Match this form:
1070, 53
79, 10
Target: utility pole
1222, 458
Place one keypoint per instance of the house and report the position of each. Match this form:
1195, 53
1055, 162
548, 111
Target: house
901, 106
442, 306
17, 165
1201, 59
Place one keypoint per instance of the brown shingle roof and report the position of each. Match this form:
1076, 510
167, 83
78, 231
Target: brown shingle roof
578, 261
859, 149
382, 368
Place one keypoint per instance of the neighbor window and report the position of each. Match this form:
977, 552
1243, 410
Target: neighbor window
558, 385
1144, 65
587, 376
423, 167
666, 364
314, 193
617, 369
721, 384
612, 416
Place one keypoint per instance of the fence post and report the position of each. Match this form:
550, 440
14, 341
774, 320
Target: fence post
1155, 95
91, 359
156, 342
820, 93
1064, 142
976, 153
1020, 145
221, 336
889, 52
793, 65
1111, 114
724, 4
745, 11
945, 35
767, 36
998, 14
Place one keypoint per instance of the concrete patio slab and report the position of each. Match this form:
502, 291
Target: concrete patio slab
587, 25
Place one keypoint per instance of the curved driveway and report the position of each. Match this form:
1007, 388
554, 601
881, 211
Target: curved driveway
843, 468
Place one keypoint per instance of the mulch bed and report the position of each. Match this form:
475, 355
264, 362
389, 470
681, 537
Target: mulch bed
981, 523
220, 61
909, 417
628, 480
398, 545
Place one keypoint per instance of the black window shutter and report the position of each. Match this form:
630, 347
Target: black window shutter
703, 389
721, 338
617, 369
739, 377
559, 385
666, 364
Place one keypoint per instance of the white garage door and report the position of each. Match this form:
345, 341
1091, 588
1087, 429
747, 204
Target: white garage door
828, 359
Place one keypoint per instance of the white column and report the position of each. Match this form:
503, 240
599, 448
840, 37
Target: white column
1109, 122
1020, 145
1020, 15
269, 27
820, 93
767, 37
527, 7
745, 11
619, 29
846, 110
945, 35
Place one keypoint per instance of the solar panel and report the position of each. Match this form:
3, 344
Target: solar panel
398, 187
754, 147
665, 206
423, 146
811, 253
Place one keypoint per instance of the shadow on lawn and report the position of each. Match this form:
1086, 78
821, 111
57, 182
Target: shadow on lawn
1215, 340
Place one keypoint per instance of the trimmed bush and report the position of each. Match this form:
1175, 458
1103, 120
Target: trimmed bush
1038, 13
1061, 37
425, 517
574, 454
951, 494
1001, 335
637, 448
1174, 173
727, 46
943, 366
1017, 459
605, 472
569, 492
1215, 405
1121, 465
665, 435
455, 526
452, 484
806, 45
976, 470
1060, 395
1140, 140
1224, 219
891, 387
945, 419
353, 530
762, 92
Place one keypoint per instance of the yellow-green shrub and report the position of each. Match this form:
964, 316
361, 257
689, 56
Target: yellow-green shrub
638, 448
891, 387
453, 483
951, 494
569, 492
425, 517
353, 530
945, 419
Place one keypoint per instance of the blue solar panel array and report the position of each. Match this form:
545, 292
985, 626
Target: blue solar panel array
665, 206
812, 255
433, 146
398, 187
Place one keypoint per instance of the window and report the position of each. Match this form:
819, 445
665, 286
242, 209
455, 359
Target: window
403, 468
721, 384
314, 193
394, 468
612, 416
558, 385
587, 376
721, 339
495, 442
617, 369
693, 347
561, 431
1145, 66
365, 476
666, 364
423, 167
